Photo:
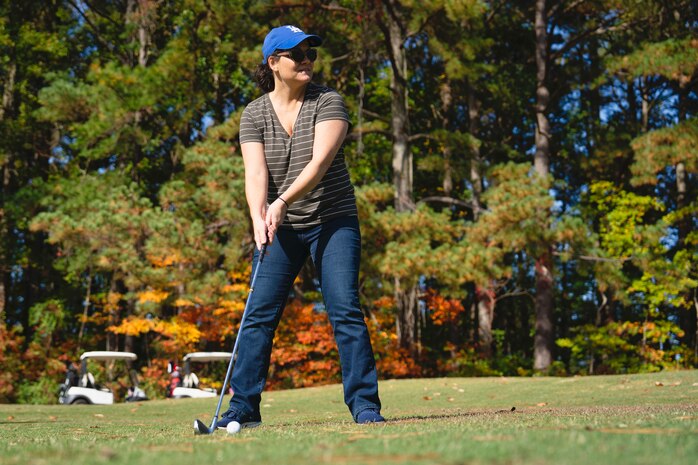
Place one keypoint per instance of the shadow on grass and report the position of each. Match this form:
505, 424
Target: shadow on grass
449, 416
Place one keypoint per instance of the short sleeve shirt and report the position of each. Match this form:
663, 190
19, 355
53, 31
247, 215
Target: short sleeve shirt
286, 156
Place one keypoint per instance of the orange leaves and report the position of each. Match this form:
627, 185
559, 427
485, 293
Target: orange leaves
650, 330
305, 352
227, 308
443, 310
392, 361
11, 341
386, 302
396, 363
165, 260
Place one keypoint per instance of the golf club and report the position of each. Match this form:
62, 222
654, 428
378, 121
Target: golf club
199, 426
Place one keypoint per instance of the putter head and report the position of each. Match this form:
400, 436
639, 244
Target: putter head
201, 428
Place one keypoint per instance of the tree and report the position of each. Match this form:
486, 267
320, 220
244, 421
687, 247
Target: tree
31, 48
675, 60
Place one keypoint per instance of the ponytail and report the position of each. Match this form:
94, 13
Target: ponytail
264, 77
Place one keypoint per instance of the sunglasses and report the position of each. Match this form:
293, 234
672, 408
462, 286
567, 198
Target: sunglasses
298, 55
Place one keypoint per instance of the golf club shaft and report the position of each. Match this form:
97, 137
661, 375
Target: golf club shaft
262, 251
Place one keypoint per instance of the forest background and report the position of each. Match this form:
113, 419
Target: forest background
525, 173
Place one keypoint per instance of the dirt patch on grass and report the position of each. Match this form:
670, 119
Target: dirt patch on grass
683, 412
614, 410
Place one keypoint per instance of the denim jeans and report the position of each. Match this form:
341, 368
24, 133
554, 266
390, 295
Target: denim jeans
335, 248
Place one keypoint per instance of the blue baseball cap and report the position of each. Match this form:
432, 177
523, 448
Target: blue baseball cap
286, 37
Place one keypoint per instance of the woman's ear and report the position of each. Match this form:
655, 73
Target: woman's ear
272, 62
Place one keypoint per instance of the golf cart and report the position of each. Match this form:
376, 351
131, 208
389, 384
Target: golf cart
188, 385
82, 389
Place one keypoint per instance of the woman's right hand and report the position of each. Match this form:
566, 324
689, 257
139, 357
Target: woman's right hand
274, 218
259, 226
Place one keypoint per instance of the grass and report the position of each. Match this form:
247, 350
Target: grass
633, 419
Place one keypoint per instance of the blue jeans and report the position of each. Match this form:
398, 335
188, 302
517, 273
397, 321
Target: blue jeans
335, 247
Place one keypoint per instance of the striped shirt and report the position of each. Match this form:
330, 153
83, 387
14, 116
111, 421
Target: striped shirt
286, 156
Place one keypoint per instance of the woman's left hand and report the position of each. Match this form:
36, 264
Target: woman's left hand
275, 217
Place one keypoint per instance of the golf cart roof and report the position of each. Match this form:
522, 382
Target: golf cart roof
108, 355
207, 356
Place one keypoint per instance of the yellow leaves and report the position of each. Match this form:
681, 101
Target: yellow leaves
185, 333
239, 288
134, 326
152, 295
112, 302
182, 333
237, 276
183, 303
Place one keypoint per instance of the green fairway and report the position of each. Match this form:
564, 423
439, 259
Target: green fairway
633, 419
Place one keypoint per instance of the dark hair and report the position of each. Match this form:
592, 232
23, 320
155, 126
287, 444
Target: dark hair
264, 77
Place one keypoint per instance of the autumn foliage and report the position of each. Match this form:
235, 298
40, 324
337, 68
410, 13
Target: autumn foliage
499, 236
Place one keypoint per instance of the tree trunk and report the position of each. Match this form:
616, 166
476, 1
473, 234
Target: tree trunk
475, 161
687, 319
405, 295
360, 112
7, 98
645, 115
3, 275
85, 309
544, 332
407, 321
3, 265
542, 156
141, 13
632, 105
446, 94
484, 295
695, 318
402, 156
112, 308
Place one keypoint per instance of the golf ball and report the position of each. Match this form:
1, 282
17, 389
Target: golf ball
233, 427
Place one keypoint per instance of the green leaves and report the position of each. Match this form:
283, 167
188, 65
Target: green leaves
622, 213
621, 347
664, 147
675, 59
97, 221
48, 317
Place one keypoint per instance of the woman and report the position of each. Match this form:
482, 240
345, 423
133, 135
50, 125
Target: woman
301, 203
